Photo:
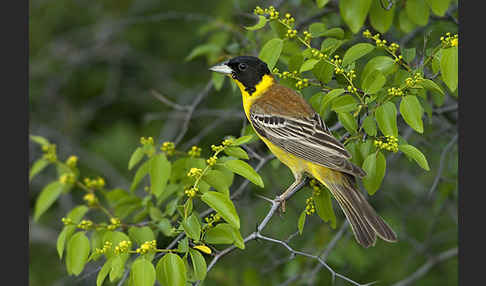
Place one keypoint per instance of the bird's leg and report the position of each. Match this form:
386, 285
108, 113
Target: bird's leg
299, 183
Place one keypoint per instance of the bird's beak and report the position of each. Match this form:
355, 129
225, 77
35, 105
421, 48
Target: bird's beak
222, 68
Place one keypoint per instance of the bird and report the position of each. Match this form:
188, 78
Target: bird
297, 135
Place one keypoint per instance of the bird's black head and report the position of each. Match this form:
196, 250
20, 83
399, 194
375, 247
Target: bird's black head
248, 70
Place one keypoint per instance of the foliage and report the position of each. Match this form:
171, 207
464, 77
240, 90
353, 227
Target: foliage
178, 208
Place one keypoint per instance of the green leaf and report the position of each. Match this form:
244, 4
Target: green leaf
386, 117
171, 270
262, 21
405, 24
218, 80
136, 157
308, 65
141, 234
317, 29
270, 52
117, 266
64, 236
328, 98
374, 165
324, 209
408, 54
357, 51
237, 238
142, 171
413, 153
37, 167
412, 112
323, 71
373, 82
39, 140
198, 264
192, 227
321, 3
432, 86
242, 140
330, 45
223, 205
438, 7
449, 67
220, 234
216, 179
142, 273
245, 170
381, 19
417, 11
369, 126
384, 64
159, 170
77, 253
301, 222
236, 152
345, 103
334, 33
103, 272
354, 13
295, 62
47, 197
348, 121
202, 50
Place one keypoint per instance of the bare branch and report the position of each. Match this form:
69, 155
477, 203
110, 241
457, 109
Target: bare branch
431, 262
441, 164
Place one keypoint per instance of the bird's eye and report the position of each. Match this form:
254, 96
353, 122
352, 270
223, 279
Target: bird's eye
242, 66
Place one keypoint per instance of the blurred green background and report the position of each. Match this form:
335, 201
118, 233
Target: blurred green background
93, 65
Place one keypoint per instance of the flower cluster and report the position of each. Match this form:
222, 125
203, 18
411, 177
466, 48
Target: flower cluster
270, 11
318, 54
67, 179
191, 192
398, 58
71, 161
213, 218
97, 183
288, 20
217, 148
194, 172
168, 148
212, 160
395, 91
393, 47
291, 33
337, 64
307, 36
147, 246
90, 199
106, 246
123, 247
50, 152
114, 223
449, 40
310, 207
417, 78
302, 83
148, 140
85, 224
227, 142
195, 151
66, 221
389, 143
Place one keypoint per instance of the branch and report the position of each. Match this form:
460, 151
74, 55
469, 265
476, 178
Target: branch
441, 164
427, 266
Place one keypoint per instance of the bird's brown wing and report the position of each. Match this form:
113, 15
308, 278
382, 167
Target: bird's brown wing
286, 119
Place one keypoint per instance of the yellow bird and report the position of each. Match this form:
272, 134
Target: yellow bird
299, 138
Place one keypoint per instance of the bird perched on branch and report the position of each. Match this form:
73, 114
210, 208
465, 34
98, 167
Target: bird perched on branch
299, 138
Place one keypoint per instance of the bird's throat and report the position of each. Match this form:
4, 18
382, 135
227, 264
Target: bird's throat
260, 88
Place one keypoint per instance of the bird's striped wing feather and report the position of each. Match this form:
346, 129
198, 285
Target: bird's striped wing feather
305, 137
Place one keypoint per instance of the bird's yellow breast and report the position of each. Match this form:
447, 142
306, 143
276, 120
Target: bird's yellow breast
260, 88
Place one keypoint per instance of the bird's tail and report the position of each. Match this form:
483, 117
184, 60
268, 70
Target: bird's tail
364, 221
